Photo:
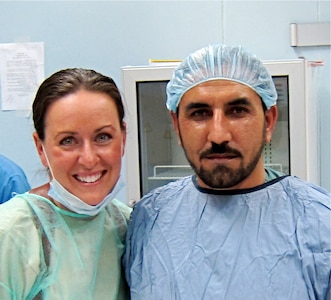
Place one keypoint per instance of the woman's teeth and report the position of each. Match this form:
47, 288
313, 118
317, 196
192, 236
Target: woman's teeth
89, 179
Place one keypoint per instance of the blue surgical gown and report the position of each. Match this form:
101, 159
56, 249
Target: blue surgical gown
268, 242
12, 179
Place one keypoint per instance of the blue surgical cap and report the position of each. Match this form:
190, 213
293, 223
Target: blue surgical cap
221, 62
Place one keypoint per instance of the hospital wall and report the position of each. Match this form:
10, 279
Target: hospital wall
105, 35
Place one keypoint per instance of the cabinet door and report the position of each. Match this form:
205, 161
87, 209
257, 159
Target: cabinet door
162, 160
153, 156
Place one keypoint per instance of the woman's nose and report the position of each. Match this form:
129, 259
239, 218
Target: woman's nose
88, 156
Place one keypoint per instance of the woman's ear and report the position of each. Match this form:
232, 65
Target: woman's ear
40, 149
271, 116
123, 138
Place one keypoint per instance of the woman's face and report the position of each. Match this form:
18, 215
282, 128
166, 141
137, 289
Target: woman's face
83, 144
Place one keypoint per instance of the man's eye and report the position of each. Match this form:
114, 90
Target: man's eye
104, 137
201, 113
238, 110
67, 141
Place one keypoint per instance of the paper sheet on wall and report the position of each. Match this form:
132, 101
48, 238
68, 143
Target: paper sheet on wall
21, 72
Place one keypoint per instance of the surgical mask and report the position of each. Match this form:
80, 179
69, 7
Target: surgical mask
72, 202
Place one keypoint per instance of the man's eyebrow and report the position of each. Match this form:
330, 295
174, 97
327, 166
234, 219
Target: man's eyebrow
195, 105
237, 101
240, 101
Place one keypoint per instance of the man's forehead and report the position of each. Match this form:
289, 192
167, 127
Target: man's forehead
231, 84
218, 93
219, 88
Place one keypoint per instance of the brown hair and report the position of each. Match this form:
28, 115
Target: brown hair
69, 81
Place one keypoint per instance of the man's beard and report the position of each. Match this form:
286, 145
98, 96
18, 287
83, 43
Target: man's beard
222, 177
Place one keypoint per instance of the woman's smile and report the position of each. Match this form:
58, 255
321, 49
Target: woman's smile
93, 178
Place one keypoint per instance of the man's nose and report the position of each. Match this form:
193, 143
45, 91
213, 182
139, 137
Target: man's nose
219, 129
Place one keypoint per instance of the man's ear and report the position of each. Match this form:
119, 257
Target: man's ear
271, 116
40, 149
174, 118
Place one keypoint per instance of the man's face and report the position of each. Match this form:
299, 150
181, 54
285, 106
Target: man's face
222, 128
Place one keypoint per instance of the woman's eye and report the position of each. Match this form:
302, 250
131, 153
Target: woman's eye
67, 141
104, 137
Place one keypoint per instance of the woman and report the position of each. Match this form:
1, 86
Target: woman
65, 239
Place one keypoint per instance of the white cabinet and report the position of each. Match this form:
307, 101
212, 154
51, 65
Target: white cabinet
153, 156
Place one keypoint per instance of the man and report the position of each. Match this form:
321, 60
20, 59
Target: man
12, 179
234, 230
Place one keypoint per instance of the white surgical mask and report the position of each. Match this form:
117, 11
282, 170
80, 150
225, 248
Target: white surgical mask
72, 202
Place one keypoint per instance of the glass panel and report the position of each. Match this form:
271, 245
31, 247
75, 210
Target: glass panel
161, 158
276, 153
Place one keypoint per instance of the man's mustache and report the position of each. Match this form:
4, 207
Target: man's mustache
220, 149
